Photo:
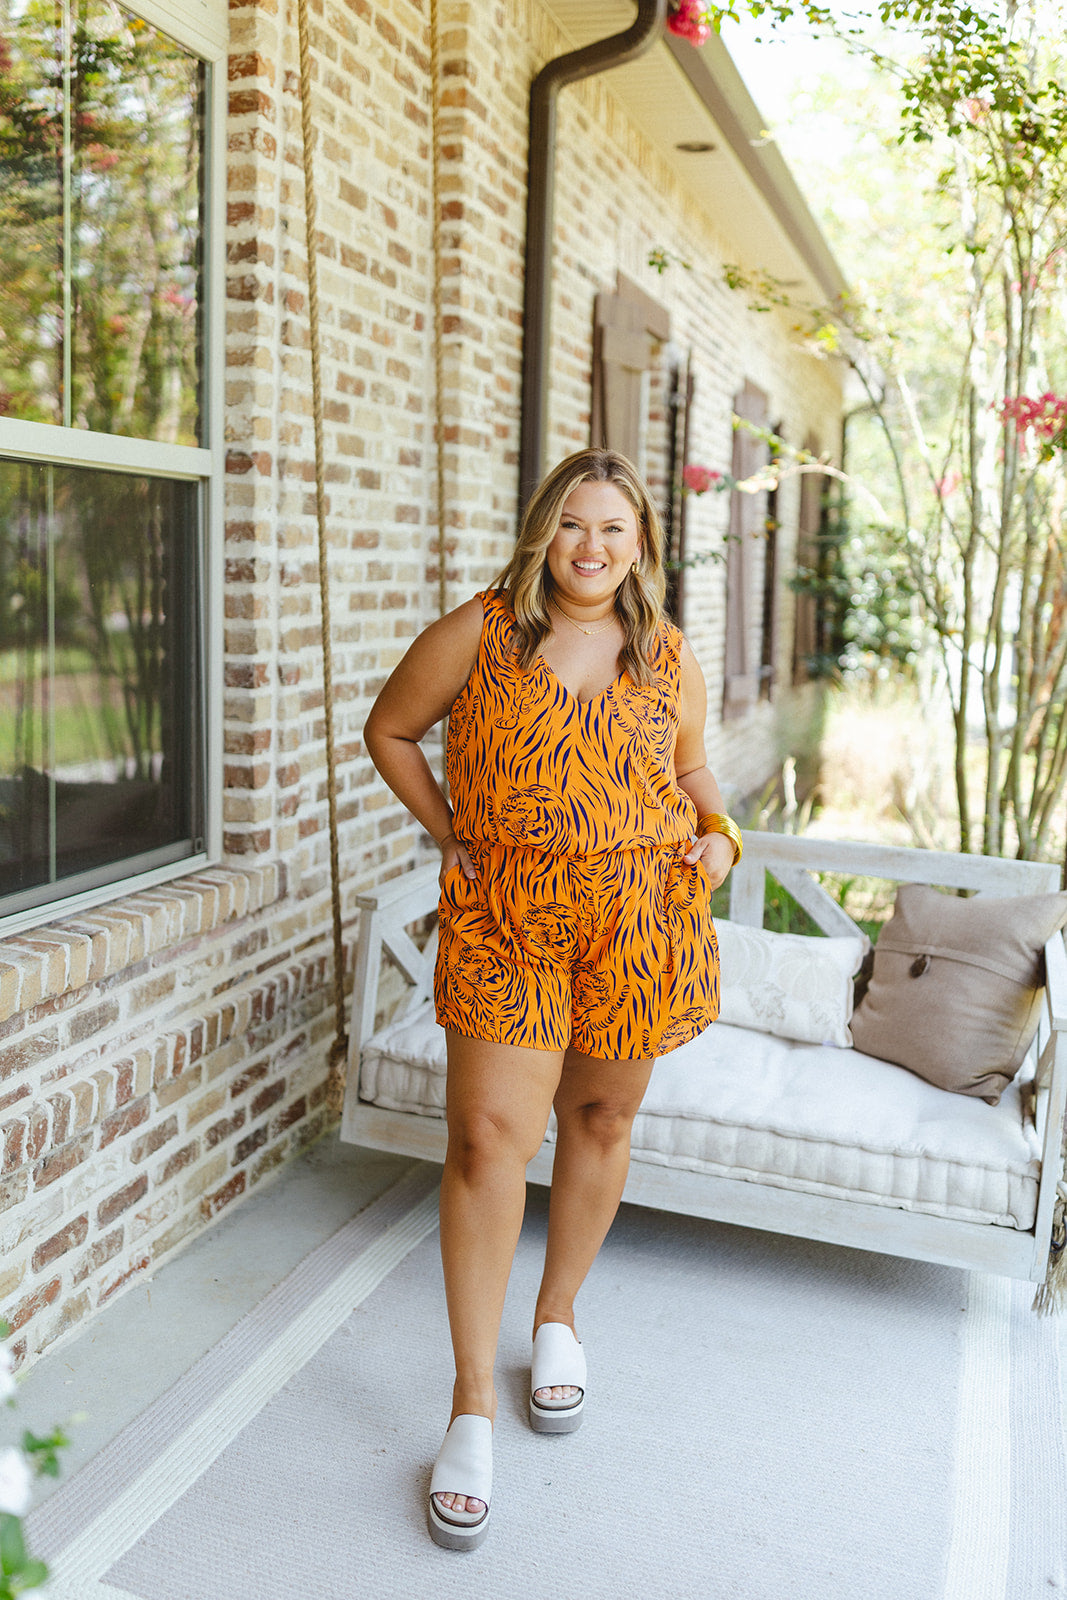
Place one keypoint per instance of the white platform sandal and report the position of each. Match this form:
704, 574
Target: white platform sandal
558, 1360
464, 1465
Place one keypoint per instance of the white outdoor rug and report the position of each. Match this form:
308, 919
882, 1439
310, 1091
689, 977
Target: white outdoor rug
768, 1419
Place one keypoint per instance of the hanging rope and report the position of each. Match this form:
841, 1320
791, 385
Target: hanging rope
335, 1087
438, 307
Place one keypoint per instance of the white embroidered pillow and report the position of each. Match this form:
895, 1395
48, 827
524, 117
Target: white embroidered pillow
787, 983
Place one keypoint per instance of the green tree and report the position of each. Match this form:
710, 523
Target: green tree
966, 330
120, 164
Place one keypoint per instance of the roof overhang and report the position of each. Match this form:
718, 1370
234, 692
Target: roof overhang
678, 95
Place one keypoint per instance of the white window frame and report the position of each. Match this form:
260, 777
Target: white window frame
202, 28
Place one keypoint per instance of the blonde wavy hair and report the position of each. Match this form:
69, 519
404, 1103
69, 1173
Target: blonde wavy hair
527, 581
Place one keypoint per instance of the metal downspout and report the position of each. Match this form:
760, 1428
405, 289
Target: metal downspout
541, 163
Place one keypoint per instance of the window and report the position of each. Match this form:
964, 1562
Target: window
746, 563
108, 480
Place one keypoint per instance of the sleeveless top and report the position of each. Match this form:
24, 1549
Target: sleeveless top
529, 764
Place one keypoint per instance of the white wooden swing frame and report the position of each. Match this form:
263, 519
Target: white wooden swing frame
388, 912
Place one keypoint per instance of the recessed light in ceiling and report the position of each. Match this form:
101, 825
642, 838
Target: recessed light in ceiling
695, 147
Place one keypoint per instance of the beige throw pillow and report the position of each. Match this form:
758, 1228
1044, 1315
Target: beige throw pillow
955, 993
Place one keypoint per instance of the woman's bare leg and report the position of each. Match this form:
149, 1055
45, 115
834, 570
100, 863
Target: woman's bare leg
498, 1099
596, 1103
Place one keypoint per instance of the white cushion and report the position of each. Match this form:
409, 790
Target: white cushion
747, 1105
838, 1123
787, 984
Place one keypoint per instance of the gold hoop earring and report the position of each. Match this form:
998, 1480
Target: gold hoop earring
633, 569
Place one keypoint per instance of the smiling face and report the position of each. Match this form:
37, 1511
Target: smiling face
597, 540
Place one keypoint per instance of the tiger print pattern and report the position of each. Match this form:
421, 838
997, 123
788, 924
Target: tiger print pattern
531, 763
584, 926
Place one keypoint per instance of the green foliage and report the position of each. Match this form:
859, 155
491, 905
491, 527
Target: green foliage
868, 901
660, 259
782, 914
949, 194
864, 900
20, 1572
123, 154
43, 1453
866, 594
95, 543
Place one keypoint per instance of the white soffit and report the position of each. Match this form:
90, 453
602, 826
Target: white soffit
676, 94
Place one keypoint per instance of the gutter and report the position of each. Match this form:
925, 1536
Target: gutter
613, 51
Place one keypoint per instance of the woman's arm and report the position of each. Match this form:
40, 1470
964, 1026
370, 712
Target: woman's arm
422, 690
713, 850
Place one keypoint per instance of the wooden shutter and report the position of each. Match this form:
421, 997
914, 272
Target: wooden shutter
744, 563
625, 325
769, 620
806, 642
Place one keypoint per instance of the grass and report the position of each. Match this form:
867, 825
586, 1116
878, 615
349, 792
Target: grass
89, 726
868, 901
885, 777
887, 771
71, 662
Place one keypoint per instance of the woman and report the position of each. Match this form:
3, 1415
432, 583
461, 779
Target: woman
585, 838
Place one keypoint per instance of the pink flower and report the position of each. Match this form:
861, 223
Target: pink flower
172, 296
699, 479
948, 484
687, 21
975, 108
1045, 416
100, 157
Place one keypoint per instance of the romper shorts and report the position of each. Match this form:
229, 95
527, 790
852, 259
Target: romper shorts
612, 954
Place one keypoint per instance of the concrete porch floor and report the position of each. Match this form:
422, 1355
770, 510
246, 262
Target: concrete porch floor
135, 1349
107, 1374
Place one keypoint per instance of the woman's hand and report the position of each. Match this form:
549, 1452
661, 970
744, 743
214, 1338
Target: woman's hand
454, 854
715, 853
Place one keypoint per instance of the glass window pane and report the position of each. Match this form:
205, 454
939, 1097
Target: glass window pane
99, 675
31, 211
136, 180
24, 681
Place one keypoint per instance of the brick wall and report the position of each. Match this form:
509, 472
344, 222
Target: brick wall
173, 1064
162, 1055
629, 202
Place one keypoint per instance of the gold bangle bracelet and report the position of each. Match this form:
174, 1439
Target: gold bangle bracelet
719, 822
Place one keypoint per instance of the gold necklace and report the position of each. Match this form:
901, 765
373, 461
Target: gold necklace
590, 633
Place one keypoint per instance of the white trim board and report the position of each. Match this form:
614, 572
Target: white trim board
79, 447
200, 25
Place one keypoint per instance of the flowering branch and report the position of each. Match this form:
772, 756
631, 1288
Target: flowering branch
1045, 417
689, 19
786, 462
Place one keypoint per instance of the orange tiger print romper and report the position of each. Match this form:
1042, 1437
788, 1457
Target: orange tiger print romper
584, 926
